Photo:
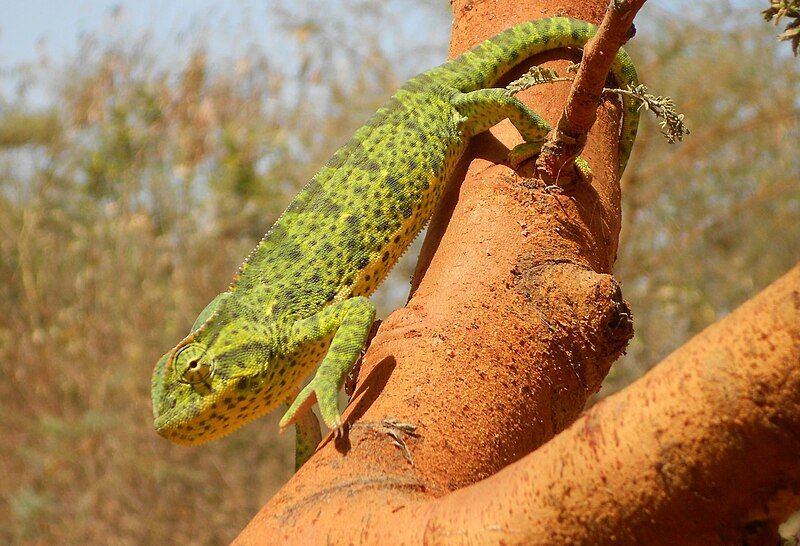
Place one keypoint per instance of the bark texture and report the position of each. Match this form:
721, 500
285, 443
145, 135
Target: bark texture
513, 322
702, 450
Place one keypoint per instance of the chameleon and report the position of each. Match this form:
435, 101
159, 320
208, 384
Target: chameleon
299, 302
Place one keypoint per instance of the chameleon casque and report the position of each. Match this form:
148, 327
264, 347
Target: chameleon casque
300, 297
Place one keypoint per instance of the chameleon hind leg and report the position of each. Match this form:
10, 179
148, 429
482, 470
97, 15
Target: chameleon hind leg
486, 107
349, 321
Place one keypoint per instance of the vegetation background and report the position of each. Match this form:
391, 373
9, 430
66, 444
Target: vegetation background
134, 179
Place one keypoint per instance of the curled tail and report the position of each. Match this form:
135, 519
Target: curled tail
485, 64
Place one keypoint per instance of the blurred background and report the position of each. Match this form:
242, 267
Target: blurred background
146, 146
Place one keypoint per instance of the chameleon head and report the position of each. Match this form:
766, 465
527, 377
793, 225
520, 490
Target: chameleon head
202, 391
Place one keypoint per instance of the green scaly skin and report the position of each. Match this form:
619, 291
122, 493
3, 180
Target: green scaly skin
300, 296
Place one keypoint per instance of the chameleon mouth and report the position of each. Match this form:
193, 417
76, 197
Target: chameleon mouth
165, 407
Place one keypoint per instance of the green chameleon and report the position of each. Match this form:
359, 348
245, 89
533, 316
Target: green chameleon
300, 297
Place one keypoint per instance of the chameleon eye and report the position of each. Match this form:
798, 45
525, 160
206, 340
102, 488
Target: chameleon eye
193, 368
197, 372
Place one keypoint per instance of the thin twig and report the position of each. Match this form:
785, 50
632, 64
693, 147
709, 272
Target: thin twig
672, 123
567, 140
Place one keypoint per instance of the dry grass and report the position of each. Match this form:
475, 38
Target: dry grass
123, 209
709, 222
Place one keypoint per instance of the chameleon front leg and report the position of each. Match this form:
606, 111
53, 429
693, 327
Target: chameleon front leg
349, 321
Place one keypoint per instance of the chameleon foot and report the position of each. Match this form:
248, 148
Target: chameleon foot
319, 390
524, 151
582, 169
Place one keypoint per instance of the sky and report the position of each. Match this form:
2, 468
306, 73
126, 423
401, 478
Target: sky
30, 29
28, 25
52, 29
53, 26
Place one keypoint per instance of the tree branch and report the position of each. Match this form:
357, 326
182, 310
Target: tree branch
702, 450
568, 138
513, 323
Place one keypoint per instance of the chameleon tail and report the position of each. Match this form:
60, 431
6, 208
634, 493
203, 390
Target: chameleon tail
485, 64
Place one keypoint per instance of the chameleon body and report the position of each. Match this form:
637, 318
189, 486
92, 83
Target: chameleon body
300, 296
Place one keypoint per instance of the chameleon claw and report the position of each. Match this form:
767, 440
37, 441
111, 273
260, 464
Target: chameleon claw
339, 431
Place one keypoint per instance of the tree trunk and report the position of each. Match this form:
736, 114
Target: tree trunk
513, 322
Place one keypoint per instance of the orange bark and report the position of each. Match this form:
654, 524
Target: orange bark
702, 450
513, 323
